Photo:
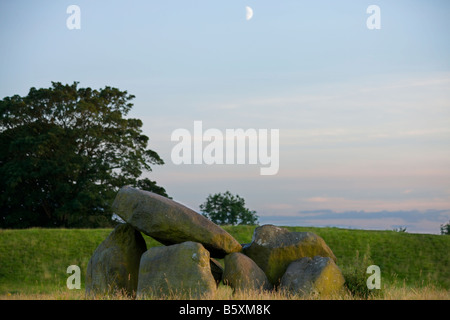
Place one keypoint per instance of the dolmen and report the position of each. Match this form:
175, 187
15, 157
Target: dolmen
188, 262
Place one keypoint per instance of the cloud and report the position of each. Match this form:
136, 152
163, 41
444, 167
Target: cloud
341, 204
319, 199
409, 215
427, 221
373, 145
280, 206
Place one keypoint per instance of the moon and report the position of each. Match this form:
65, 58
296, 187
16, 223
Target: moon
248, 13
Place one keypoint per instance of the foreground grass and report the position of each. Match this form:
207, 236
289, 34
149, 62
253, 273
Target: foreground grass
223, 293
33, 262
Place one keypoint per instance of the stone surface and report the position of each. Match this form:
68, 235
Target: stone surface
114, 265
242, 273
170, 222
274, 248
179, 269
308, 276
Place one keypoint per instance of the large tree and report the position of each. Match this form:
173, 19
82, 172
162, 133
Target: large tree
64, 153
227, 208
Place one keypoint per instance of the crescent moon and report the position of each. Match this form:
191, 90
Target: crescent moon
248, 13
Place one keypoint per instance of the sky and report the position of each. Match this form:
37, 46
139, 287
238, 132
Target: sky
363, 114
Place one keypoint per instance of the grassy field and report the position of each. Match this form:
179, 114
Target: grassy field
33, 262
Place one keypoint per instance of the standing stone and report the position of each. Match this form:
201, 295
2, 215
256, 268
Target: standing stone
114, 266
308, 276
242, 273
180, 269
274, 248
170, 222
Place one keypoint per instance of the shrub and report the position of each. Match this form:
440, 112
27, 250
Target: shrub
356, 275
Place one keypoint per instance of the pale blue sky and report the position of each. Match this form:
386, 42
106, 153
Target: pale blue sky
364, 115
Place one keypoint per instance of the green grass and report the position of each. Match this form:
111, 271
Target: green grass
34, 261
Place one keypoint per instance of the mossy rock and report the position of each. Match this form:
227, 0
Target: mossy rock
114, 265
242, 273
170, 222
274, 248
319, 275
180, 269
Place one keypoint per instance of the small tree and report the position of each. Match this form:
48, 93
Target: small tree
228, 209
399, 229
445, 228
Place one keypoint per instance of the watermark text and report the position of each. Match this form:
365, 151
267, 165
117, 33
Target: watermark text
236, 146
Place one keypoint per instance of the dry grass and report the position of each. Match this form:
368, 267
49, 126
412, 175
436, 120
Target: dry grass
225, 293
426, 293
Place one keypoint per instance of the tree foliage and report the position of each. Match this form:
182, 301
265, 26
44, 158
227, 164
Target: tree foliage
228, 209
445, 228
64, 153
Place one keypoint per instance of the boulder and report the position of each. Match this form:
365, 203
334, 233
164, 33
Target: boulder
114, 265
308, 276
170, 222
179, 269
274, 248
242, 273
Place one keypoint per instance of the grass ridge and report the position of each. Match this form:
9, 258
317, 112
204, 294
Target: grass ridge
34, 261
